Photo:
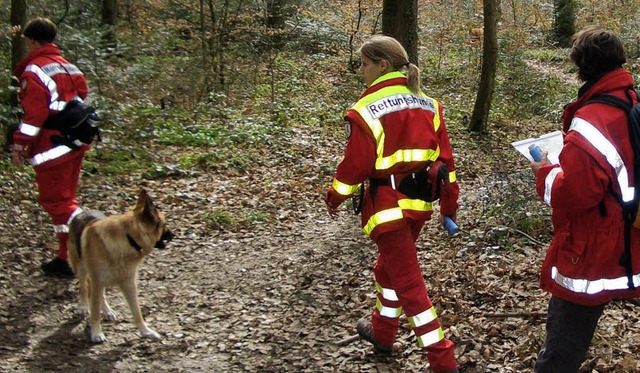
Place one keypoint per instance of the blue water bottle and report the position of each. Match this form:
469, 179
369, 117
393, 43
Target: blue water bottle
450, 226
536, 152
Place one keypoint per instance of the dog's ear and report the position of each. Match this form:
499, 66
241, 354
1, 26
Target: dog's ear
145, 208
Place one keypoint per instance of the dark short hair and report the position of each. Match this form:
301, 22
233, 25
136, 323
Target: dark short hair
40, 29
596, 51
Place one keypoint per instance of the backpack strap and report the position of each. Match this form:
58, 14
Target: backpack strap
629, 210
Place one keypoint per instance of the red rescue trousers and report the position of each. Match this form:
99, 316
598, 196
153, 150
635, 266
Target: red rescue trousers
401, 289
57, 187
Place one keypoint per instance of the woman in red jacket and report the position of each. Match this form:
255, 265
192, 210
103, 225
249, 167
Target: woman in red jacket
394, 131
47, 83
586, 266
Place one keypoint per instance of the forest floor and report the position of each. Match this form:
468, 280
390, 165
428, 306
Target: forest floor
276, 296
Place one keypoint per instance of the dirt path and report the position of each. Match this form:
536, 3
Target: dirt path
276, 296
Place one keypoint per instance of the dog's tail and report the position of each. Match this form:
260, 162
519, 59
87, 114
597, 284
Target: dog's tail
79, 223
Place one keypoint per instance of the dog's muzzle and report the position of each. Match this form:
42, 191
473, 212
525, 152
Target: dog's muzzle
166, 237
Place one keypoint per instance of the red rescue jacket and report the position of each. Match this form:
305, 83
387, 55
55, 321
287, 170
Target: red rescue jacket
582, 264
393, 131
47, 83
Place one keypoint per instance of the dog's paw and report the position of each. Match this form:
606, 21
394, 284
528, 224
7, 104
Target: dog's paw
108, 314
82, 310
98, 338
149, 333
94, 337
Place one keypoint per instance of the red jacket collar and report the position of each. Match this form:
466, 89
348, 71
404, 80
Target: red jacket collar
47, 49
615, 82
389, 79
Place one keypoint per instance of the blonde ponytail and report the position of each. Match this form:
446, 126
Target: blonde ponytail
413, 78
382, 47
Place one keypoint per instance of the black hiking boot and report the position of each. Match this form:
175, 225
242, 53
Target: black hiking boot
57, 268
366, 332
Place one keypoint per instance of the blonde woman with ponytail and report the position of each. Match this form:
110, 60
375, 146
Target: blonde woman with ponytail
394, 133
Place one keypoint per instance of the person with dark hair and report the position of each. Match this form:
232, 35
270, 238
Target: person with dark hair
586, 265
394, 131
47, 83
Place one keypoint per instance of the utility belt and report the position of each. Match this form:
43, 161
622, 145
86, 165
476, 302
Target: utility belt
427, 184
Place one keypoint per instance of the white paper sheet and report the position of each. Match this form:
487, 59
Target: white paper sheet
549, 142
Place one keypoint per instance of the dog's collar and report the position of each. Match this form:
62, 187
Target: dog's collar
133, 243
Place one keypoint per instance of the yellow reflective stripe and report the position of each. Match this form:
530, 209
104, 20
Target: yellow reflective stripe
415, 204
345, 189
390, 99
395, 213
453, 177
388, 294
390, 312
391, 75
383, 216
407, 155
423, 318
430, 338
436, 115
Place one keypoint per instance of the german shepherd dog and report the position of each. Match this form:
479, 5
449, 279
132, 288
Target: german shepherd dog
106, 251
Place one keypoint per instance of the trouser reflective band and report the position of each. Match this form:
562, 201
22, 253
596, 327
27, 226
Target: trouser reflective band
388, 294
50, 154
423, 318
61, 228
430, 338
390, 312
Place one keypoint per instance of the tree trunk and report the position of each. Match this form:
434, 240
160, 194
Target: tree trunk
110, 20
18, 18
276, 16
482, 107
564, 22
276, 13
18, 47
400, 20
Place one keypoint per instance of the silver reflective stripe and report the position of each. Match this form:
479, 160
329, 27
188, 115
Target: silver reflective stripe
58, 105
390, 312
608, 150
46, 73
56, 68
61, 228
548, 183
400, 101
75, 213
29, 129
46, 80
592, 286
388, 294
430, 338
50, 154
423, 318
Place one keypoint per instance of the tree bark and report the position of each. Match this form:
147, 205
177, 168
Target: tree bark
18, 18
18, 47
276, 16
400, 20
564, 22
110, 20
482, 107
